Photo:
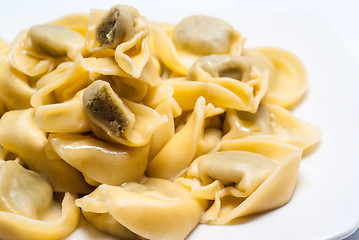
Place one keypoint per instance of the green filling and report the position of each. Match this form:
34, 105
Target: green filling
234, 73
104, 110
108, 31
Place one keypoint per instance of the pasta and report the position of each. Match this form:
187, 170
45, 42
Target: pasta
124, 30
152, 204
29, 208
144, 128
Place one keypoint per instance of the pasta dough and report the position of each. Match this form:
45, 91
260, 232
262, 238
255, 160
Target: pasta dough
234, 73
235, 190
123, 29
118, 164
144, 128
176, 47
180, 150
15, 196
119, 120
287, 76
20, 134
203, 35
68, 116
56, 41
272, 122
153, 209
27, 207
15, 91
17, 227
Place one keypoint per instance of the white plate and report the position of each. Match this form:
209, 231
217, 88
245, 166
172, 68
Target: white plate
325, 202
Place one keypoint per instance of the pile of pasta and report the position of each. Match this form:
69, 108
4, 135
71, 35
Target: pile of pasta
146, 129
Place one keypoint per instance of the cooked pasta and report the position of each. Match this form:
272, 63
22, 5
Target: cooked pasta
144, 128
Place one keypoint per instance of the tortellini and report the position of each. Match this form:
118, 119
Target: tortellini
178, 153
148, 128
61, 84
271, 122
57, 41
153, 209
15, 90
287, 75
166, 131
119, 120
260, 175
106, 110
203, 35
27, 207
95, 212
124, 30
195, 36
242, 170
15, 196
118, 164
40, 49
235, 73
20, 134
23, 58
68, 116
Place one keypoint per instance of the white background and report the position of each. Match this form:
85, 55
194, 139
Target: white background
342, 17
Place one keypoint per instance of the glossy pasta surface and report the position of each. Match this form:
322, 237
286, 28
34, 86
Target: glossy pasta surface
144, 129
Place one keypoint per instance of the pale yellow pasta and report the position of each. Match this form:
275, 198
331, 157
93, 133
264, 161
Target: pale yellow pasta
243, 188
26, 62
152, 209
287, 75
107, 224
211, 137
20, 134
186, 94
4, 47
235, 73
62, 84
95, 212
118, 163
56, 41
18, 227
15, 91
179, 151
180, 45
158, 127
97, 66
3, 154
53, 75
123, 29
68, 116
239, 124
27, 206
272, 122
117, 119
158, 94
166, 131
134, 91
147, 121
15, 181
